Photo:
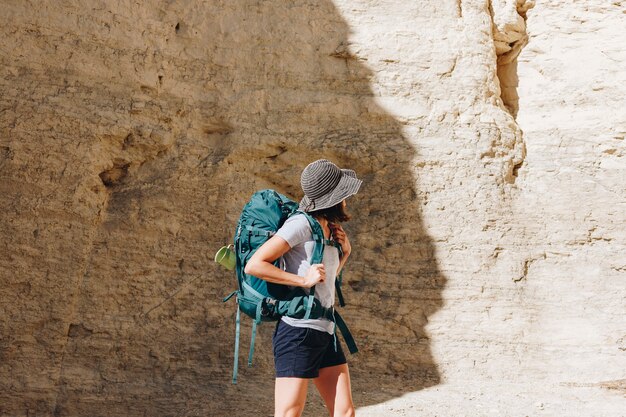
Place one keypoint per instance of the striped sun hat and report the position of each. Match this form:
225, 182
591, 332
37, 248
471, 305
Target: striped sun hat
325, 185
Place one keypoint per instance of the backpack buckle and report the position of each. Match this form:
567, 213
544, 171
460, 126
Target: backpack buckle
328, 313
268, 307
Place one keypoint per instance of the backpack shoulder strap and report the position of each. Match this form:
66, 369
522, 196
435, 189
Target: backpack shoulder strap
316, 257
318, 237
318, 252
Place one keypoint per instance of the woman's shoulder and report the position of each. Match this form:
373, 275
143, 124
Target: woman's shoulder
295, 230
297, 220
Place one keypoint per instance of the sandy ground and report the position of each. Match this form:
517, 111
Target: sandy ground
504, 399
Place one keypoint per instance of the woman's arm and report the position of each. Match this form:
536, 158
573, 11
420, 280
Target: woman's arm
342, 238
261, 265
342, 262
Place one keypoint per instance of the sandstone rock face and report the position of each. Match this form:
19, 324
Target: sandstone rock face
488, 272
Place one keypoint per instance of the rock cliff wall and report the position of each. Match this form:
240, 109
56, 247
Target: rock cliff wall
486, 249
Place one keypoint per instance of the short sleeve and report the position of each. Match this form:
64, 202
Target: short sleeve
295, 230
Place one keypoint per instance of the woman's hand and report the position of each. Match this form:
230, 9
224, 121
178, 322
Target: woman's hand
315, 274
340, 236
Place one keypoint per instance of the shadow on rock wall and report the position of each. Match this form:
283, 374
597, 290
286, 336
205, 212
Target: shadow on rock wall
209, 102
315, 101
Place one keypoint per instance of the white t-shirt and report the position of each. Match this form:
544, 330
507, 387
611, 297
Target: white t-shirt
299, 235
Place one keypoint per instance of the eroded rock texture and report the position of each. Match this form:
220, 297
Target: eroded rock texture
488, 264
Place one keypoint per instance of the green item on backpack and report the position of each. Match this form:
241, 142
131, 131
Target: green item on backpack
226, 257
261, 217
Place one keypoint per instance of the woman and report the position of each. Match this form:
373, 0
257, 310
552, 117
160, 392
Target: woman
304, 349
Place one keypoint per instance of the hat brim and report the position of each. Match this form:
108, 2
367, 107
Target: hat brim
348, 185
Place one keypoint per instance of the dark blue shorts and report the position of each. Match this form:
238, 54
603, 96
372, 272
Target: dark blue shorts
301, 352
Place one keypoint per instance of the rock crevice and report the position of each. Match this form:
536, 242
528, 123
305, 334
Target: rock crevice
510, 37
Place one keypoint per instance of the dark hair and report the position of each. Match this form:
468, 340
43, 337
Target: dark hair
334, 214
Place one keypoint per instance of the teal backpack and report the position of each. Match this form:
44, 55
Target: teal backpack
261, 217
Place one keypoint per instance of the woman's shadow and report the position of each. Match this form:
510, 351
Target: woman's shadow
309, 97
